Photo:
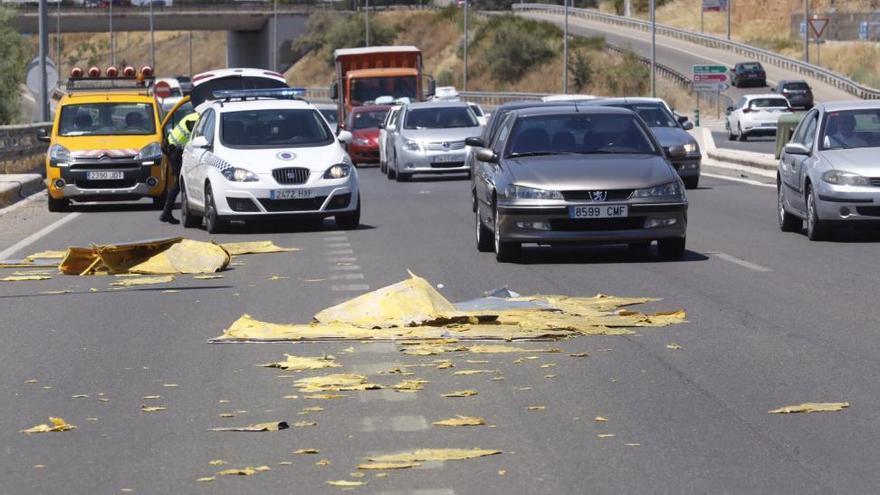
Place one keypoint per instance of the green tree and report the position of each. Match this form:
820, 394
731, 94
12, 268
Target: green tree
12, 65
514, 45
580, 70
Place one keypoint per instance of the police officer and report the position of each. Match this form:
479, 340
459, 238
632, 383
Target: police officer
176, 142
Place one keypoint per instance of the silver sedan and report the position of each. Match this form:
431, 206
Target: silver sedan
582, 175
429, 139
829, 172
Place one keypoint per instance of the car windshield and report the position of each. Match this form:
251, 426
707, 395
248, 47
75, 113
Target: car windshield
768, 103
852, 129
476, 108
330, 114
579, 134
654, 114
273, 128
754, 66
440, 118
368, 120
107, 119
369, 88
796, 86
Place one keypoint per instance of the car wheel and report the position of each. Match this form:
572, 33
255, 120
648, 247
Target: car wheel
214, 223
349, 221
816, 228
58, 205
671, 249
691, 182
390, 168
382, 167
187, 217
484, 235
787, 221
742, 135
504, 251
730, 135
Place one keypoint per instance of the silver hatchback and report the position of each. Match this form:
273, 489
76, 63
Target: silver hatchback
585, 175
829, 172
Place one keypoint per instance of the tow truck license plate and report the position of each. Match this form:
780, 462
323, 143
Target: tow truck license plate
291, 194
603, 211
105, 175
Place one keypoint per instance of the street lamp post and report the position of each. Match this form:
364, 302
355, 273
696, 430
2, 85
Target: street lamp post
729, 9
653, 49
58, 38
806, 31
44, 46
152, 39
464, 81
112, 43
275, 35
565, 52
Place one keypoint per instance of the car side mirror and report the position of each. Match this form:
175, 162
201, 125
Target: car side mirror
334, 90
687, 125
432, 87
796, 149
43, 136
344, 137
201, 142
476, 142
486, 155
676, 152
681, 118
772, 90
729, 109
381, 125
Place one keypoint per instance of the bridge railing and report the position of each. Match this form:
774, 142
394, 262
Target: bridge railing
18, 143
809, 70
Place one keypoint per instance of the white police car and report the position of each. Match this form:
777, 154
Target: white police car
266, 154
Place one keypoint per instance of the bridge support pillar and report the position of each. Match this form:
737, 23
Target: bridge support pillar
254, 48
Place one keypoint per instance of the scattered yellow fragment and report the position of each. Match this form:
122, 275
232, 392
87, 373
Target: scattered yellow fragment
136, 281
536, 408
474, 372
297, 363
151, 397
254, 247
633, 444
498, 348
245, 471
24, 278
301, 424
461, 393
306, 451
673, 346
207, 276
79, 396
346, 483
410, 385
46, 255
461, 421
323, 462
169, 385
312, 409
335, 383
206, 479
605, 435
58, 424
579, 354
810, 407
600, 419
424, 455
148, 409
324, 396
270, 426
217, 462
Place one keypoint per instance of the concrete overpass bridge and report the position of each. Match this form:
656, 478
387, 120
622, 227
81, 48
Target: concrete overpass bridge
248, 26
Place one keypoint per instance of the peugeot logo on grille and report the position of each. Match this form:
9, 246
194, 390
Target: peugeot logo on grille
598, 195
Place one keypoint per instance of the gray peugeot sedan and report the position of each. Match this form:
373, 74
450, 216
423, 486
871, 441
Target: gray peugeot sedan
829, 172
430, 139
580, 175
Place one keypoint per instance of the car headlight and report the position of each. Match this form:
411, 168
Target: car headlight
668, 190
152, 151
338, 171
236, 174
840, 178
410, 145
361, 141
523, 192
58, 153
690, 148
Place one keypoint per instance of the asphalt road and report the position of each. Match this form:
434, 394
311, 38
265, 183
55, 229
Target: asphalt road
755, 144
774, 320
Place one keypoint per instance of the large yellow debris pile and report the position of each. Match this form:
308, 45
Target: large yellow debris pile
414, 310
159, 257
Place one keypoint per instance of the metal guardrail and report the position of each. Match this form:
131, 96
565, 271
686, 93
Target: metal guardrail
20, 141
813, 71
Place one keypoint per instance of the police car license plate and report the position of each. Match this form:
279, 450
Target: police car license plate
603, 211
448, 158
105, 175
291, 194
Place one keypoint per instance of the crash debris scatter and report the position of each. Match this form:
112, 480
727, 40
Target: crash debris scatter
270, 426
136, 281
57, 424
295, 363
414, 310
461, 421
811, 407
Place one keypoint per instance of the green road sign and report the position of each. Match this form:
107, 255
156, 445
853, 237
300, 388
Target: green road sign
710, 69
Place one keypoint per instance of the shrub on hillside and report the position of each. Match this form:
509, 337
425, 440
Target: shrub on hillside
12, 65
514, 45
325, 31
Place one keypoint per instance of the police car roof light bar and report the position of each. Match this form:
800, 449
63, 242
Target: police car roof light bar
277, 93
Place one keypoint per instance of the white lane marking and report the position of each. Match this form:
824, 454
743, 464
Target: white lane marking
394, 423
339, 251
339, 245
743, 263
738, 179
343, 259
421, 491
345, 268
350, 288
36, 236
348, 276
26, 201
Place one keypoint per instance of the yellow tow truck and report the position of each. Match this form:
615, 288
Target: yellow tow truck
106, 141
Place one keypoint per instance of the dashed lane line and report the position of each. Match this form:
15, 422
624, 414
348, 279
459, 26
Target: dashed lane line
741, 262
36, 236
26, 201
350, 288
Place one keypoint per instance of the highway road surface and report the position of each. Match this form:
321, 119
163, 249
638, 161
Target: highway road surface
774, 320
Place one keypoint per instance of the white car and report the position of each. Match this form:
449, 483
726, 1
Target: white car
756, 115
568, 97
266, 155
482, 117
385, 130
